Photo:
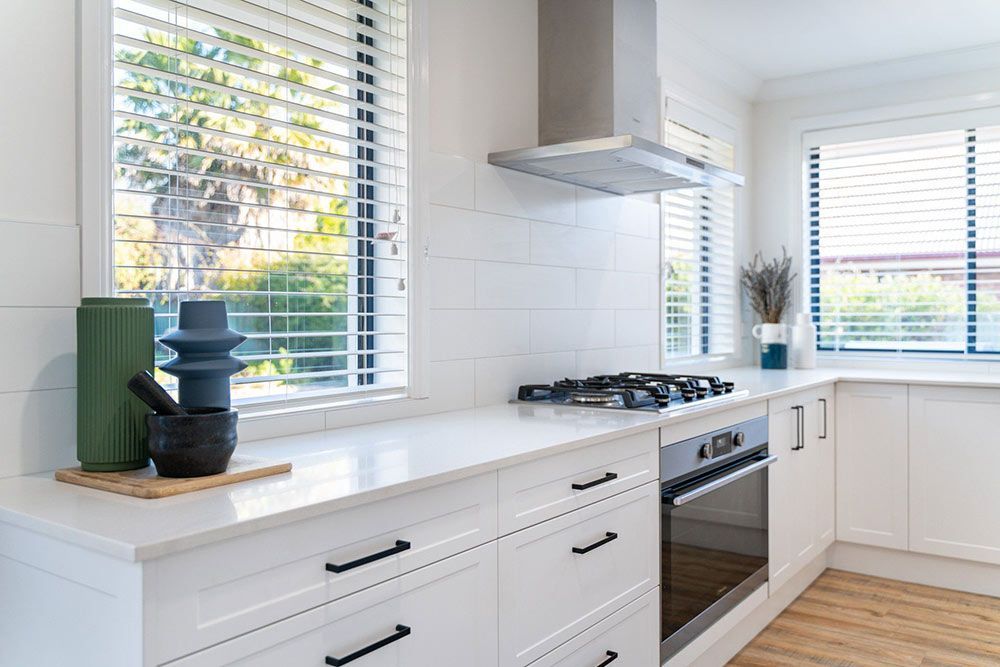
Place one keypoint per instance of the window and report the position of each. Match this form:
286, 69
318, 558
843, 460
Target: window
259, 157
904, 242
699, 276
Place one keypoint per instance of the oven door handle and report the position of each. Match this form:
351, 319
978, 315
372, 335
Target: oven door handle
722, 481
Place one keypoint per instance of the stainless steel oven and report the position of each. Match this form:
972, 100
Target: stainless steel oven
713, 530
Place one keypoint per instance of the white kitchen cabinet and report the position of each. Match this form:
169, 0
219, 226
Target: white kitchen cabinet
872, 463
562, 576
209, 594
954, 481
538, 490
800, 482
442, 614
630, 636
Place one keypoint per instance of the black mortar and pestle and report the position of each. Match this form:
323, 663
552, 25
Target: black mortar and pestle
185, 442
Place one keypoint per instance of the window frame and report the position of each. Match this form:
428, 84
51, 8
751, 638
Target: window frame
957, 114
708, 118
94, 102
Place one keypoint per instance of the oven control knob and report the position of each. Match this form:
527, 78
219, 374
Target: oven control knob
739, 438
706, 450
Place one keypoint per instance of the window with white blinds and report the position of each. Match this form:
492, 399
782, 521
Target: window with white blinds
699, 273
260, 158
905, 242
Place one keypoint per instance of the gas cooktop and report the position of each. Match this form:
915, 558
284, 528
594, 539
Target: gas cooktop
654, 392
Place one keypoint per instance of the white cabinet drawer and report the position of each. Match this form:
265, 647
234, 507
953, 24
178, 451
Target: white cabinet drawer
212, 593
630, 637
443, 614
550, 591
538, 490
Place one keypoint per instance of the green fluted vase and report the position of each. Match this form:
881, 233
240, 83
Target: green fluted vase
114, 341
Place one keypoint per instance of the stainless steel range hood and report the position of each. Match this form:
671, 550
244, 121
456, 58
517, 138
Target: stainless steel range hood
599, 103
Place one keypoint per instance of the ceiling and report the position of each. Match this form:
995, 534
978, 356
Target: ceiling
779, 38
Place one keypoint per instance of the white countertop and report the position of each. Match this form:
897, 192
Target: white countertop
350, 466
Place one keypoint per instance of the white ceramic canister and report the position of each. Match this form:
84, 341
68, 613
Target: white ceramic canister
773, 344
804, 342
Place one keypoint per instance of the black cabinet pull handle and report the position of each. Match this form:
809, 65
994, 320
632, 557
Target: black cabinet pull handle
612, 656
608, 476
799, 427
401, 545
401, 631
599, 543
823, 401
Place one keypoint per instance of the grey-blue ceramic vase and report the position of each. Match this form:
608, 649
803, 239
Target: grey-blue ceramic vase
203, 342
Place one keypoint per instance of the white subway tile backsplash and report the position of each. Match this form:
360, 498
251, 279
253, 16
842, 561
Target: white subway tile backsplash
48, 251
468, 334
507, 192
39, 431
641, 358
43, 346
615, 289
452, 283
452, 180
459, 233
501, 285
557, 330
635, 215
560, 245
634, 253
498, 378
636, 327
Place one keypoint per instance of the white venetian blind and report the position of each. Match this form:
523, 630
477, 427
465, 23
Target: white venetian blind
905, 242
260, 158
699, 274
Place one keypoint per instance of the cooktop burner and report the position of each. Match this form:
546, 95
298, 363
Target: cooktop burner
655, 392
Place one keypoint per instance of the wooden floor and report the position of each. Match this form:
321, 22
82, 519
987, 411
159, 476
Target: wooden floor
853, 619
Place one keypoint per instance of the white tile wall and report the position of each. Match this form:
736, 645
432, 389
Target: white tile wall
560, 276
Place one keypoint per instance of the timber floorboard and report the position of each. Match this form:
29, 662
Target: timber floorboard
848, 619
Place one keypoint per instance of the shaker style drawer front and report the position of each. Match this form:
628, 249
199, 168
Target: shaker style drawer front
212, 593
443, 614
539, 490
630, 637
562, 576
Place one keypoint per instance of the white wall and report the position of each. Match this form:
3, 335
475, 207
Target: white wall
778, 126
39, 237
530, 279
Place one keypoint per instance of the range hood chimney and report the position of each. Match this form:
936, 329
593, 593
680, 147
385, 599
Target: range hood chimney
599, 106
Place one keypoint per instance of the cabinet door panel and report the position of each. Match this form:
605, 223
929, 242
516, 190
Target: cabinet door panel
791, 488
823, 451
449, 609
954, 459
872, 464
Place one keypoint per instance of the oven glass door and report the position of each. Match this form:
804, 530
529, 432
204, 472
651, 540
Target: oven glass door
712, 543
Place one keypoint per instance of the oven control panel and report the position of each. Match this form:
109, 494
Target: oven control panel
713, 448
720, 445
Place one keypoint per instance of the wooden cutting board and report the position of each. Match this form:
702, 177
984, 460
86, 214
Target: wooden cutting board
145, 483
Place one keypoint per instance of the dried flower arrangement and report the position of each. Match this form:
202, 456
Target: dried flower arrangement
769, 286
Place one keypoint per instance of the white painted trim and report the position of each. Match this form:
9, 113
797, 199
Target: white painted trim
93, 131
95, 31
418, 260
840, 125
881, 73
713, 118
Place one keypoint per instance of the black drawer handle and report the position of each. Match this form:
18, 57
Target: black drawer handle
401, 631
401, 545
612, 656
600, 480
599, 543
